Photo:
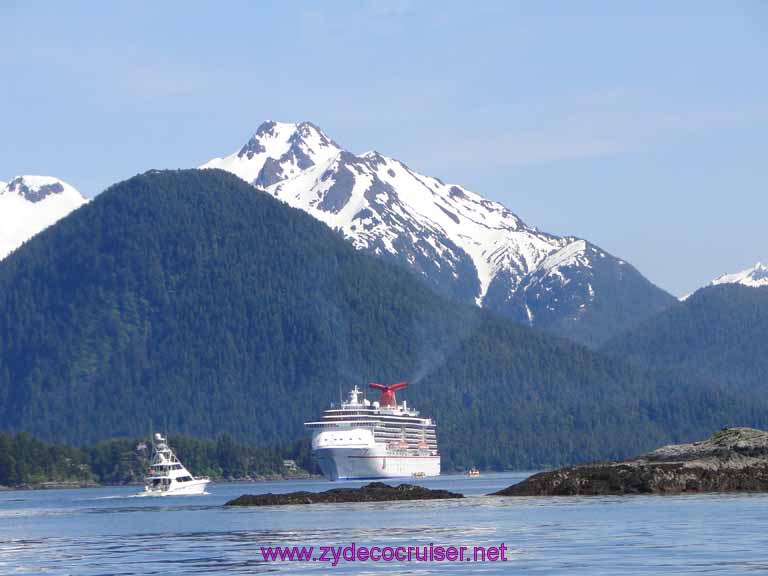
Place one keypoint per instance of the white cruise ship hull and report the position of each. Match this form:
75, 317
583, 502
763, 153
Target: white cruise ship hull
371, 464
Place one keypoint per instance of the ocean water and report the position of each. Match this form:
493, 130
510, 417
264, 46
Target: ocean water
108, 531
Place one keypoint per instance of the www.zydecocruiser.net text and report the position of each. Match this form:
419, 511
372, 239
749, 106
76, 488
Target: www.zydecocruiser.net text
354, 553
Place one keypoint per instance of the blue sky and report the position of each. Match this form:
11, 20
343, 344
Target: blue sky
642, 126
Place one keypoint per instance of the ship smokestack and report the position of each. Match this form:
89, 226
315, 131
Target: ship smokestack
388, 392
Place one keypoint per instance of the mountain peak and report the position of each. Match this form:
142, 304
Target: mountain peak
271, 135
754, 277
277, 151
38, 188
29, 204
461, 243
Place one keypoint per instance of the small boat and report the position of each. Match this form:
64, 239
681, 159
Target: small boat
167, 476
473, 472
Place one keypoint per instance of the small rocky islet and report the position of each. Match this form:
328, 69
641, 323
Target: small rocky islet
373, 492
732, 460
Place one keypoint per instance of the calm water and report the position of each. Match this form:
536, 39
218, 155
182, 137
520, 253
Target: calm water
106, 531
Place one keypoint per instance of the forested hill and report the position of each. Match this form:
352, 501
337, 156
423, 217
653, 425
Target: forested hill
719, 332
190, 299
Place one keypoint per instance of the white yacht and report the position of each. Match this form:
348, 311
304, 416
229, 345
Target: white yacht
360, 439
167, 476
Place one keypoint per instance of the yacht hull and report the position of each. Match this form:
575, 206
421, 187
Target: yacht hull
192, 488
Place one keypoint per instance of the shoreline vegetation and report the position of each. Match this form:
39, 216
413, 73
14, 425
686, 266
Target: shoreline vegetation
731, 460
29, 463
76, 485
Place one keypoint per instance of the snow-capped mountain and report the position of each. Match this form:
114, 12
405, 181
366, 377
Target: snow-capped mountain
755, 277
463, 244
29, 204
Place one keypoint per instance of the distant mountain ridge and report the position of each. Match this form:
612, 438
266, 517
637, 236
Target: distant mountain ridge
29, 204
462, 244
754, 277
719, 333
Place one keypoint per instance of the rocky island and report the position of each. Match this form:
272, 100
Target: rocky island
732, 460
373, 492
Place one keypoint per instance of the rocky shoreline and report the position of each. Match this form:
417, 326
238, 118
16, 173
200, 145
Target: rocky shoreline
373, 492
732, 460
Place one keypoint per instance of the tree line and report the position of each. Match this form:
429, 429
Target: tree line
26, 460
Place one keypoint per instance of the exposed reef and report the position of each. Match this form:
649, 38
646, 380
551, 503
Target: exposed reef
373, 492
732, 460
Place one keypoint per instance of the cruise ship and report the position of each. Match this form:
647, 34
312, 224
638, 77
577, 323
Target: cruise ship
362, 440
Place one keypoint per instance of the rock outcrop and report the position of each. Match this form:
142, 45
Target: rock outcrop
732, 460
373, 492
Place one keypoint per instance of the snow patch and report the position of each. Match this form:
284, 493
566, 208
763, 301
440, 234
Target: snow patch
29, 204
754, 277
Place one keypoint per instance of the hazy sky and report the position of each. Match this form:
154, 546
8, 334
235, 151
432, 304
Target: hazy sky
641, 126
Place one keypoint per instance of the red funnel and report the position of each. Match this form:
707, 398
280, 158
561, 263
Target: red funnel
388, 392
